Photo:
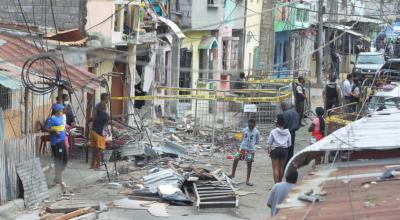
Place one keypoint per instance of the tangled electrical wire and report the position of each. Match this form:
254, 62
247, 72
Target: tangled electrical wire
37, 75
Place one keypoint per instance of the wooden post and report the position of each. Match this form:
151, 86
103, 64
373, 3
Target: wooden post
26, 115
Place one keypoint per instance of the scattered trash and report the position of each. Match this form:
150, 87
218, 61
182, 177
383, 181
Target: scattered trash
369, 204
173, 195
388, 174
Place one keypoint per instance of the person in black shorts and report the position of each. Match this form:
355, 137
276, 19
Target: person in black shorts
279, 141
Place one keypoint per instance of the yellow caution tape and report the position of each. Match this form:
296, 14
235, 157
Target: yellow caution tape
209, 97
336, 119
271, 81
270, 91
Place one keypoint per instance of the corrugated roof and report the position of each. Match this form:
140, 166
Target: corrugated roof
347, 196
379, 131
9, 81
16, 51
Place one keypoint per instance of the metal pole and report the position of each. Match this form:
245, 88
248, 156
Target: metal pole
320, 40
214, 114
223, 123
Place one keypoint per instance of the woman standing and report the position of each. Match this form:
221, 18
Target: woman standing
278, 141
317, 127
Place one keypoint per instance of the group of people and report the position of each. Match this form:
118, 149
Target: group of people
62, 119
388, 46
334, 96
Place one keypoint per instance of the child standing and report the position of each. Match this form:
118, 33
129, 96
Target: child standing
279, 141
251, 137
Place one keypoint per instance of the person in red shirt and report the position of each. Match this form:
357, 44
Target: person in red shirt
317, 127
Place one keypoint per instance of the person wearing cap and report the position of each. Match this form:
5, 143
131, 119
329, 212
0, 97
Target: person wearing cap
300, 98
331, 93
56, 127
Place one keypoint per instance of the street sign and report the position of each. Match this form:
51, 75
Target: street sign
250, 108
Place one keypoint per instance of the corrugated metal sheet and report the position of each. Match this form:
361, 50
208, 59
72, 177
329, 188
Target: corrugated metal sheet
347, 197
17, 51
380, 131
9, 82
35, 187
13, 152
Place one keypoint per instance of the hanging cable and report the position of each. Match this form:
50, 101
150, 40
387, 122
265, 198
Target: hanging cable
39, 81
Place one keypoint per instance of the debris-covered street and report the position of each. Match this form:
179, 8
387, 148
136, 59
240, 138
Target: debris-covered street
199, 109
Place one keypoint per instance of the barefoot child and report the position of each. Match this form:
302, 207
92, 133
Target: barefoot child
251, 137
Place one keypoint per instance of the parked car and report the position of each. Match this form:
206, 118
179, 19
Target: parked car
368, 64
391, 70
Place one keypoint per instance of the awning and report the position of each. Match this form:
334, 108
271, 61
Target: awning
72, 37
16, 51
348, 30
208, 43
173, 26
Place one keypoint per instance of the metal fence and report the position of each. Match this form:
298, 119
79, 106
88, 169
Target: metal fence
13, 152
213, 113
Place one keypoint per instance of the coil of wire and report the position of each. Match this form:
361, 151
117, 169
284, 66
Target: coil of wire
41, 75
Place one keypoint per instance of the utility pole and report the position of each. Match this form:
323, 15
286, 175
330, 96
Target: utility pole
243, 49
320, 40
267, 35
132, 67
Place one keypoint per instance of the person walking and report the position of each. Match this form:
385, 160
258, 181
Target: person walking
331, 93
97, 136
292, 122
279, 141
251, 137
300, 98
56, 127
280, 190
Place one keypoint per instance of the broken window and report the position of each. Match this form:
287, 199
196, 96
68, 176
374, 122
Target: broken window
5, 98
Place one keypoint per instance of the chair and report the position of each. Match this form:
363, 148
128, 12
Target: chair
44, 139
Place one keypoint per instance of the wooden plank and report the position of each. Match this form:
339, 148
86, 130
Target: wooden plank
74, 214
65, 206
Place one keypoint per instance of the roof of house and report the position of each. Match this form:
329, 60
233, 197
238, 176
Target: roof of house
15, 51
352, 192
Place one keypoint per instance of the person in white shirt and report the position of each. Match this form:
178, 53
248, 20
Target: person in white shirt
347, 87
279, 141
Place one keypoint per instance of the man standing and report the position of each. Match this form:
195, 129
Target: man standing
97, 137
347, 87
55, 126
331, 93
292, 122
300, 98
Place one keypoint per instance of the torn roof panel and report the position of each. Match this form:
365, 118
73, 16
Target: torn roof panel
346, 199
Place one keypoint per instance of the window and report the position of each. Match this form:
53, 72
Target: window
210, 2
5, 98
306, 15
299, 15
